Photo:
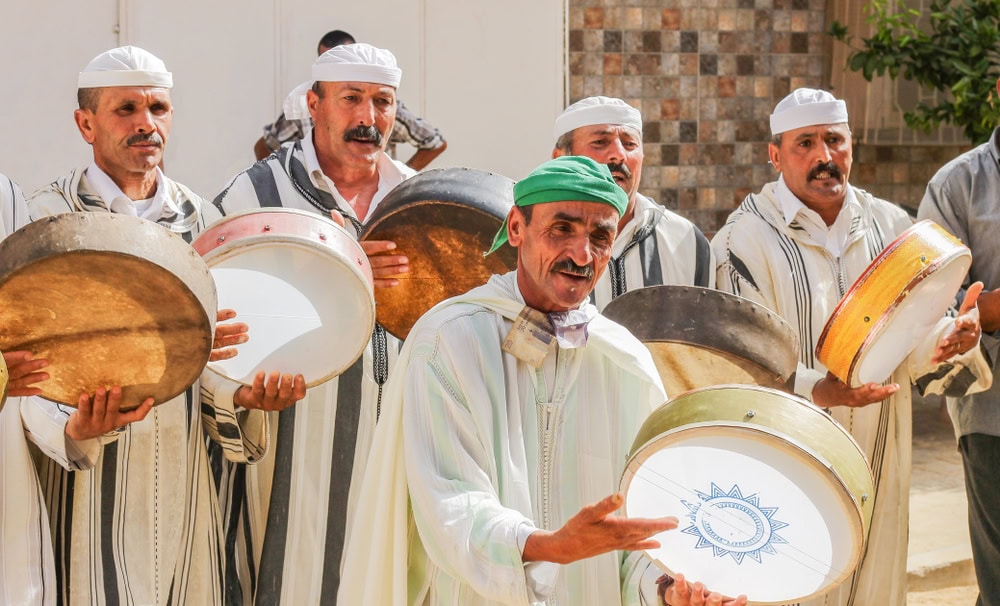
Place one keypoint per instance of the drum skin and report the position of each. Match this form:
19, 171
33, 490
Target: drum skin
923, 253
792, 425
701, 337
301, 283
108, 300
443, 220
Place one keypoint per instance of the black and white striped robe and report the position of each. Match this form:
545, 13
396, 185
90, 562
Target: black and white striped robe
27, 568
134, 515
286, 517
779, 265
656, 247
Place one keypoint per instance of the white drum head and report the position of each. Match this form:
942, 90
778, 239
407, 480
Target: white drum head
911, 320
307, 309
758, 514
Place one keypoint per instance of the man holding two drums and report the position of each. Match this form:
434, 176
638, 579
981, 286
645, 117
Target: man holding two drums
654, 245
507, 426
795, 247
132, 503
288, 548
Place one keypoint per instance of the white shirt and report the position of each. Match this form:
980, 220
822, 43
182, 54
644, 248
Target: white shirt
118, 202
389, 176
833, 237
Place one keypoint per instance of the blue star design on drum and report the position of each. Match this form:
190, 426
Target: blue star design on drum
732, 524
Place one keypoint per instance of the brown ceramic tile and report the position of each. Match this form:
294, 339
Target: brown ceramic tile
670, 109
612, 41
671, 18
727, 86
593, 18
612, 64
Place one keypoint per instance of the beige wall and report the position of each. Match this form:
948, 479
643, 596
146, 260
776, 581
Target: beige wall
489, 74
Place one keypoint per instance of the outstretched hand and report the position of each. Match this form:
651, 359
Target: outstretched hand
593, 531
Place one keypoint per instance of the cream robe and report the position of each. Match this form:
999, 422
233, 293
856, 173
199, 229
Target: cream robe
469, 430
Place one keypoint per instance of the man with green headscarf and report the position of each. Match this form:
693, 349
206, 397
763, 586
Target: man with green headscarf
501, 441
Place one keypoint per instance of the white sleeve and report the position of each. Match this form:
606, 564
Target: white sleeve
45, 425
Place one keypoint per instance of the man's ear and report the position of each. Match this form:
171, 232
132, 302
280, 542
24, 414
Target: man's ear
515, 227
773, 156
84, 119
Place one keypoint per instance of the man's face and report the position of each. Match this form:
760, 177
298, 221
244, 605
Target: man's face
562, 251
353, 121
815, 162
620, 147
128, 130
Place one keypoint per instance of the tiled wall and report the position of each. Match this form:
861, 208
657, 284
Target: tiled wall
706, 75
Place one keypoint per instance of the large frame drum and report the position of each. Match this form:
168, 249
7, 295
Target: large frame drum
772, 494
443, 220
3, 382
899, 298
108, 300
701, 337
301, 283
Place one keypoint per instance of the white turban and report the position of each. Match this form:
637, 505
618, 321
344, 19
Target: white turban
358, 62
597, 110
125, 66
807, 107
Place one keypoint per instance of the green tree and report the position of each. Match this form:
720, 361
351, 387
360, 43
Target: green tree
957, 53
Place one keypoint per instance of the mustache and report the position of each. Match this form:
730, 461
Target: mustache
363, 133
617, 167
828, 167
568, 266
145, 138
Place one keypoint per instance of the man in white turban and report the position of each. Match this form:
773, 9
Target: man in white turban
286, 518
795, 247
654, 245
130, 496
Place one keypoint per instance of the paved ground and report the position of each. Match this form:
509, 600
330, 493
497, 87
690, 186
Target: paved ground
939, 560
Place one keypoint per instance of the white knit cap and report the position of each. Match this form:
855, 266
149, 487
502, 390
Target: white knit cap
358, 62
807, 107
125, 66
597, 110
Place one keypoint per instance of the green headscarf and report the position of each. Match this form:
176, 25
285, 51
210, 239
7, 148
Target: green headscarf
566, 179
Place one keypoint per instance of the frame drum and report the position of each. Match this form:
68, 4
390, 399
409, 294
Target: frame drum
898, 299
772, 494
300, 282
108, 300
443, 220
701, 337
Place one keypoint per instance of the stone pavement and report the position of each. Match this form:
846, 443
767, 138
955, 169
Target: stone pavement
940, 559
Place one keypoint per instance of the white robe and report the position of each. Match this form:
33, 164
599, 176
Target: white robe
27, 567
285, 518
656, 247
471, 431
781, 267
133, 514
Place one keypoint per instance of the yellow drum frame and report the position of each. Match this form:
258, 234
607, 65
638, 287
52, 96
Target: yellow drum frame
4, 376
873, 300
796, 424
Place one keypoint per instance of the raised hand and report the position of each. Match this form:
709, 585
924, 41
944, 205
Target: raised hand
384, 265
274, 392
965, 334
98, 414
